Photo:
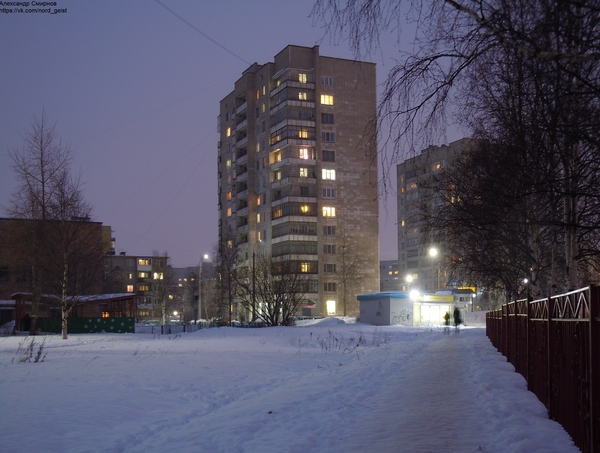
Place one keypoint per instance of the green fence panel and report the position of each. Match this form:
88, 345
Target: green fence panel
88, 325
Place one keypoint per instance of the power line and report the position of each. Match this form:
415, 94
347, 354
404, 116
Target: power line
201, 32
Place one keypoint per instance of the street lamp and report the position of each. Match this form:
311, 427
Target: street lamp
433, 253
409, 279
204, 258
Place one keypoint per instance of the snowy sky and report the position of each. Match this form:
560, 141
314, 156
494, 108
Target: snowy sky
282, 389
136, 91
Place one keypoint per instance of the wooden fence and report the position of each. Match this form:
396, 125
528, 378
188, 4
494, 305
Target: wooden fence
555, 344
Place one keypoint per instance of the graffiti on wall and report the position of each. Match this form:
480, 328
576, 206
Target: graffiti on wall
403, 316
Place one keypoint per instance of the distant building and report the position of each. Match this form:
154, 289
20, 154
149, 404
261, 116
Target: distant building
31, 254
423, 262
149, 277
389, 276
183, 294
295, 181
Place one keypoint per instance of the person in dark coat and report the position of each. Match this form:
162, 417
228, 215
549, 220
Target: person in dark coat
26, 323
457, 320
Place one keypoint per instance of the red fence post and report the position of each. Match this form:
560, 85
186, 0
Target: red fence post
595, 369
550, 352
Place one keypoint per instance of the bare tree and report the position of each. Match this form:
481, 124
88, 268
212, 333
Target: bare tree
458, 43
272, 290
162, 281
48, 193
226, 287
348, 268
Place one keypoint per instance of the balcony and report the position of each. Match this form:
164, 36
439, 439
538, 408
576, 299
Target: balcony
241, 108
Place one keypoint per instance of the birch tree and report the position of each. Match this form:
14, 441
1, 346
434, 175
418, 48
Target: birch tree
48, 193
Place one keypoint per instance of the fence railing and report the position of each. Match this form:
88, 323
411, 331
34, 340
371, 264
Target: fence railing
555, 344
169, 329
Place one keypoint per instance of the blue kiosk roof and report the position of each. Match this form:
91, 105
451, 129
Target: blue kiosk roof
384, 295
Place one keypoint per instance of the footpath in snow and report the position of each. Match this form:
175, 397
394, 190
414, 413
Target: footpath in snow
327, 387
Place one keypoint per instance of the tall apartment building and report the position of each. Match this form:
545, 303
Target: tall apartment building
419, 258
295, 183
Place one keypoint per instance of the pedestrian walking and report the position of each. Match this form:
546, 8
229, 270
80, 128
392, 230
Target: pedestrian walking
457, 320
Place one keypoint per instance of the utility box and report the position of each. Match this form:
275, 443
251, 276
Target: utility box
386, 309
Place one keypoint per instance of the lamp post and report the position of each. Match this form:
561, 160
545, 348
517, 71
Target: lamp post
433, 252
204, 258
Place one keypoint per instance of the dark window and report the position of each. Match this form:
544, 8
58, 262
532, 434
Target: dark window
328, 156
329, 230
328, 137
327, 118
329, 287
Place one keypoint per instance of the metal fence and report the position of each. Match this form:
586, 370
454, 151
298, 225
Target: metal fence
555, 344
169, 329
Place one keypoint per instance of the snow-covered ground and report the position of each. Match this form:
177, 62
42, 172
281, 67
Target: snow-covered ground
322, 387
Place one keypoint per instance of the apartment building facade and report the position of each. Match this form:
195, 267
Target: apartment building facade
422, 264
298, 173
149, 277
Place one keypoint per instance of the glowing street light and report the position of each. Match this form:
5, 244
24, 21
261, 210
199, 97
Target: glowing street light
433, 253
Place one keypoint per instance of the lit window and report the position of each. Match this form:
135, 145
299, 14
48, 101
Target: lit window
228, 196
229, 132
302, 96
258, 201
303, 153
259, 236
257, 94
328, 174
130, 275
105, 314
158, 276
403, 222
304, 172
144, 261
302, 78
331, 307
304, 267
143, 287
328, 211
229, 212
263, 107
129, 288
304, 209
303, 133
326, 99
264, 90
143, 274
277, 176
228, 164
229, 244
